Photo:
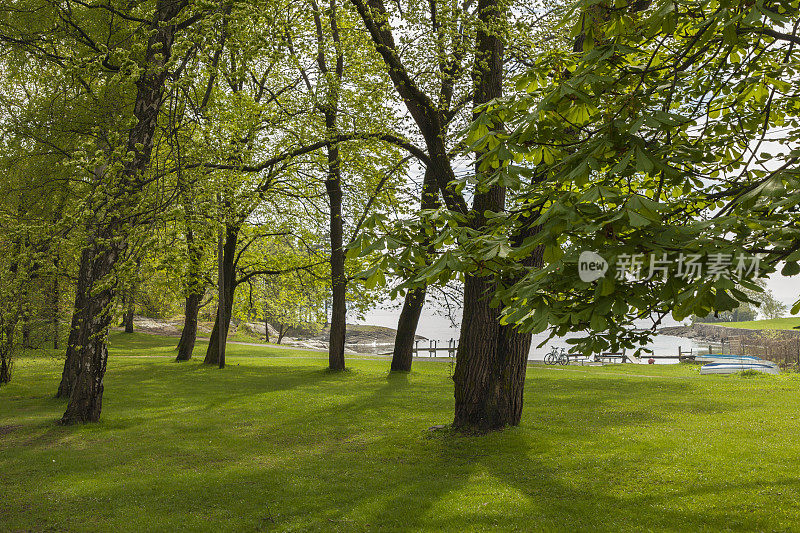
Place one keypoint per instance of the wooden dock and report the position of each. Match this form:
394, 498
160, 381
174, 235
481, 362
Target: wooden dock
432, 349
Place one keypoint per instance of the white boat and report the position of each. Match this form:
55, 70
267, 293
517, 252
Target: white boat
720, 358
730, 367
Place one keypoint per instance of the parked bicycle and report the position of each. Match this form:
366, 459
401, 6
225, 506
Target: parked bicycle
555, 357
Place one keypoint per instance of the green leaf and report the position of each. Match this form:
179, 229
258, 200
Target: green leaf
791, 268
723, 301
598, 322
637, 220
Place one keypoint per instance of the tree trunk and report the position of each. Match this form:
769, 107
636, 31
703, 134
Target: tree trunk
266, 327
195, 288
87, 354
333, 186
222, 311
55, 309
491, 359
189, 333
88, 340
72, 361
26, 327
127, 316
228, 260
6, 346
402, 355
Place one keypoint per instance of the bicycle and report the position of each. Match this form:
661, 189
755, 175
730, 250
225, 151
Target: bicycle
555, 357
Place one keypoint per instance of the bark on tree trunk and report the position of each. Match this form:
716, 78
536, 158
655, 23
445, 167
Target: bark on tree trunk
332, 77
266, 327
87, 354
26, 328
127, 317
228, 260
72, 361
195, 288
189, 333
333, 186
222, 311
491, 359
6, 345
402, 355
88, 341
55, 309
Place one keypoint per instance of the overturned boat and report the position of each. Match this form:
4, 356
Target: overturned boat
721, 358
732, 366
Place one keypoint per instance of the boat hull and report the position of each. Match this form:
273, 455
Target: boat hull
719, 358
765, 367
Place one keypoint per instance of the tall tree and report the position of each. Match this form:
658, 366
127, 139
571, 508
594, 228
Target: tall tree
94, 294
678, 152
489, 376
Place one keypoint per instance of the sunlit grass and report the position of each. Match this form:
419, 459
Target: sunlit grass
772, 323
274, 442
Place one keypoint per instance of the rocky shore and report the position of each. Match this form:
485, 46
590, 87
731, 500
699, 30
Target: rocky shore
717, 333
358, 335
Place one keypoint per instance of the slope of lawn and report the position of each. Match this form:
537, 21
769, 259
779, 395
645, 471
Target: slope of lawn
276, 443
771, 323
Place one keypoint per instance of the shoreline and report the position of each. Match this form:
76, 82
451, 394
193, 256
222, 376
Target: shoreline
718, 333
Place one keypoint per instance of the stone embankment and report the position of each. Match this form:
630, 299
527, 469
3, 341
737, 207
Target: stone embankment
717, 333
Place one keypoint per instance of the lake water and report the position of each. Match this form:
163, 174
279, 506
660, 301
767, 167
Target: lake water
434, 326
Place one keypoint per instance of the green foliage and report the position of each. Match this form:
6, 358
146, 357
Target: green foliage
670, 132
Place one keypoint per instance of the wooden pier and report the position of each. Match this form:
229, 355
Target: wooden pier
433, 348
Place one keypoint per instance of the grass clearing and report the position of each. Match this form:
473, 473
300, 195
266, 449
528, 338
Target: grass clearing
276, 443
771, 323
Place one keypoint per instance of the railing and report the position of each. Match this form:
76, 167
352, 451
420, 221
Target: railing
433, 348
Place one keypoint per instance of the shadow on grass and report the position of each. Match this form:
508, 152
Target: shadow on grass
290, 446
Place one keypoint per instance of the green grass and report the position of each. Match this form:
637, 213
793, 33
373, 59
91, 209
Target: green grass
275, 443
772, 323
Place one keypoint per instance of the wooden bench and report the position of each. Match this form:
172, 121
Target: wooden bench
612, 357
576, 358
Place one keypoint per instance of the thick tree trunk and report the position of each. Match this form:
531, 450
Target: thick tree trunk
87, 354
72, 361
88, 341
228, 260
212, 353
402, 355
491, 359
478, 402
189, 333
333, 186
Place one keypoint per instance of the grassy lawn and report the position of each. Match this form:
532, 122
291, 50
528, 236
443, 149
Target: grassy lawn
275, 443
772, 323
